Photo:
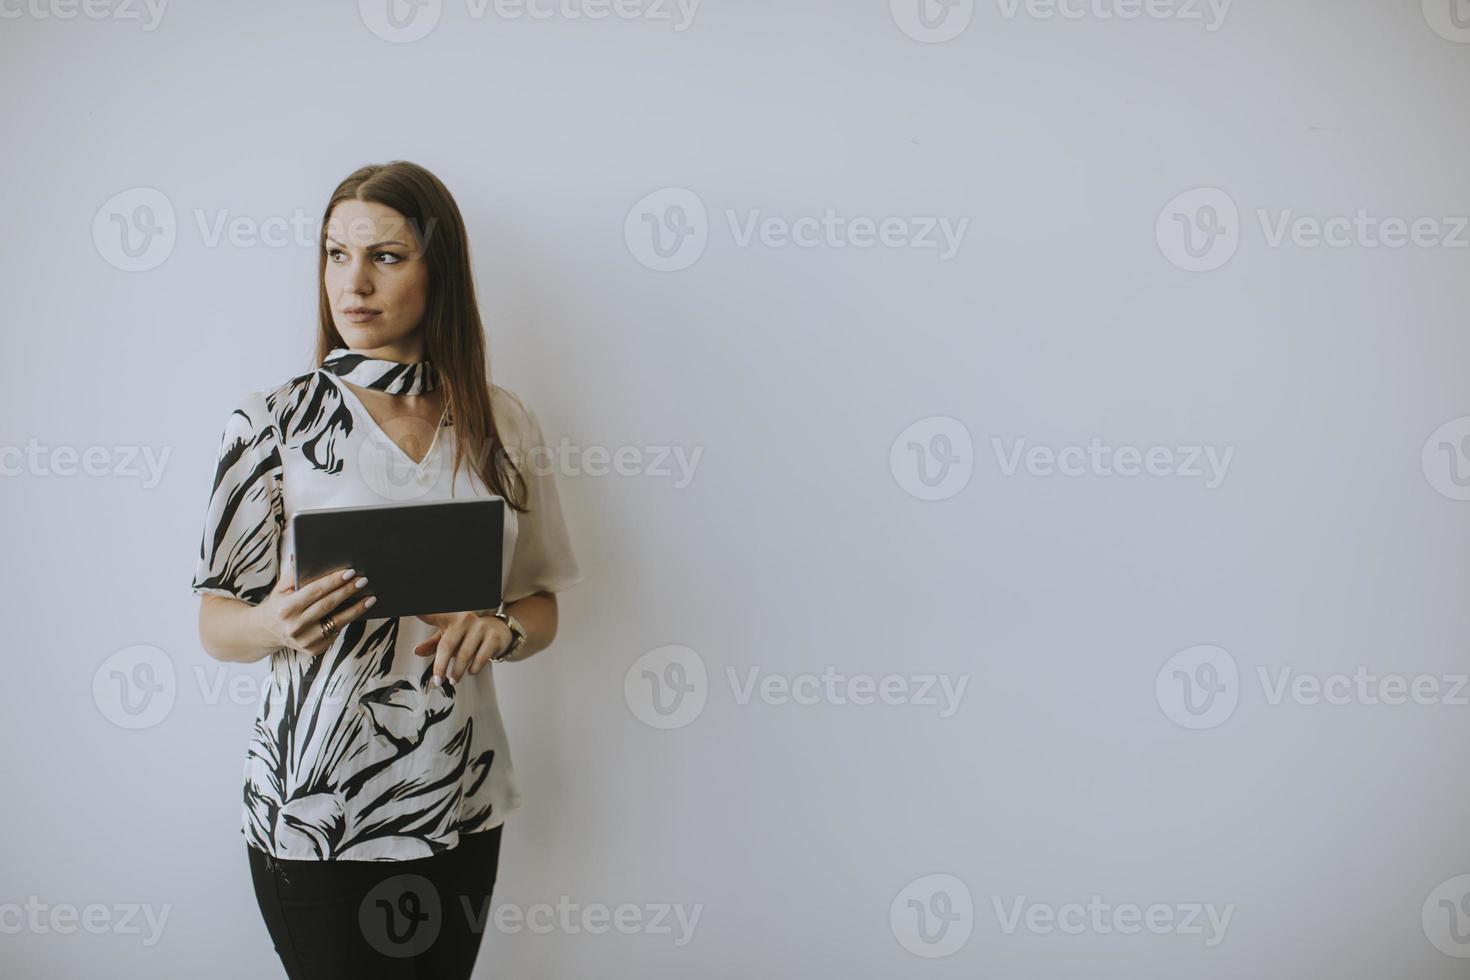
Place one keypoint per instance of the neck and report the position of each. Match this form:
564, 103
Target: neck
410, 351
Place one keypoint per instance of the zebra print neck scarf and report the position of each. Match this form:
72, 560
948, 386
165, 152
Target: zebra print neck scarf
380, 374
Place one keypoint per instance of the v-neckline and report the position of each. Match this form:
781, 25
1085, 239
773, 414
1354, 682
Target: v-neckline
370, 420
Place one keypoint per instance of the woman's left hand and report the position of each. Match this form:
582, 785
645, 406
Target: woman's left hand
465, 641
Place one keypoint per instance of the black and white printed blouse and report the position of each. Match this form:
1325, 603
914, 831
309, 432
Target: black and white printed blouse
354, 755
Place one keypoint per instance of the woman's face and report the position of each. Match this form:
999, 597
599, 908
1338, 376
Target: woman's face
376, 278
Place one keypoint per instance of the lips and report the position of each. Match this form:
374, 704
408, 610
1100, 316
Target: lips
361, 309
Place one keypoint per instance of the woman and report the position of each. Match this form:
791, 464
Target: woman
378, 776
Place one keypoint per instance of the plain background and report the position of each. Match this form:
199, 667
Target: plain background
798, 545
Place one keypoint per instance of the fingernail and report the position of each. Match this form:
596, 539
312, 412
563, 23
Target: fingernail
348, 574
362, 581
437, 680
370, 600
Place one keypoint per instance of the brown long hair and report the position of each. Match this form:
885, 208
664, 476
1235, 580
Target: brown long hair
454, 337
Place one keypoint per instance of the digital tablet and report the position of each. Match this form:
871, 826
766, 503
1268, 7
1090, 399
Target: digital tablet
421, 558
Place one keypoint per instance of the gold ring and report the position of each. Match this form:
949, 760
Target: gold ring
328, 627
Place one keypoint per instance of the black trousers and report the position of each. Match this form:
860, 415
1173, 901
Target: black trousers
387, 920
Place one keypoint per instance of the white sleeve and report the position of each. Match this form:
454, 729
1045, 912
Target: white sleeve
543, 560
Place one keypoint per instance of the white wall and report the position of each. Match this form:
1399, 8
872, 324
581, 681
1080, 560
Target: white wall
1336, 538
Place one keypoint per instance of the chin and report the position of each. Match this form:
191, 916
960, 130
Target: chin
372, 336
364, 336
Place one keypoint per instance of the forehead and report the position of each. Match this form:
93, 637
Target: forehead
368, 222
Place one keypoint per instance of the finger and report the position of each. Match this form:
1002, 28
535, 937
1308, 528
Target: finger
448, 647
307, 627
355, 611
305, 595
488, 646
332, 601
427, 647
468, 650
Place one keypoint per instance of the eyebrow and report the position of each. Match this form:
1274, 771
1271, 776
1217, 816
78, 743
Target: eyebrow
373, 245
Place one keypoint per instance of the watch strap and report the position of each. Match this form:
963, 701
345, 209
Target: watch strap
517, 634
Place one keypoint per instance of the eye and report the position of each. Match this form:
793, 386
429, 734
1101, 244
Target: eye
390, 255
332, 253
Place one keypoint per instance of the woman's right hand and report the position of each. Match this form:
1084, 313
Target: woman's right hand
293, 615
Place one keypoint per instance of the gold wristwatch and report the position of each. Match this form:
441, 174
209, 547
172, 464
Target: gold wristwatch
518, 634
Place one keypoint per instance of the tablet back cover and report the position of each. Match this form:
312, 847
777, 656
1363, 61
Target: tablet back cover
422, 558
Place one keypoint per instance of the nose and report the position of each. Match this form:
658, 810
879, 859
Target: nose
359, 278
